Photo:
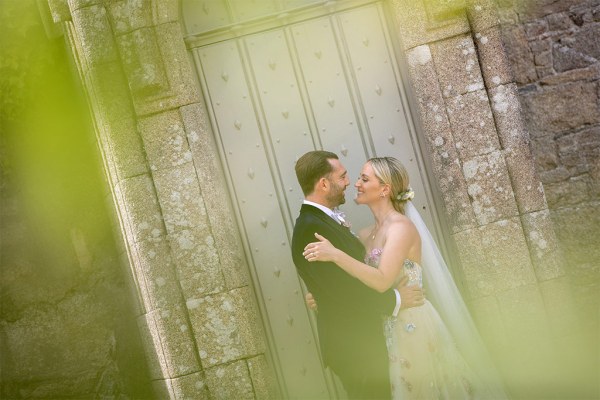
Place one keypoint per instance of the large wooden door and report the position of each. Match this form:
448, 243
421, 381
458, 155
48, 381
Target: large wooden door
322, 79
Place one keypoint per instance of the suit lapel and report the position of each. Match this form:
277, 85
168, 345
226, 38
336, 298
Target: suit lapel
343, 230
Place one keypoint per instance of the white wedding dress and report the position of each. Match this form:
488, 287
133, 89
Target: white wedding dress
436, 352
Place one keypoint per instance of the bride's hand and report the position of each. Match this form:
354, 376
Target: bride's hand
322, 250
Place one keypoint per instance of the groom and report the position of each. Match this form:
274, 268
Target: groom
349, 318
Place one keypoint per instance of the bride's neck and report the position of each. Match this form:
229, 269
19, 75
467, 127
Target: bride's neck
381, 212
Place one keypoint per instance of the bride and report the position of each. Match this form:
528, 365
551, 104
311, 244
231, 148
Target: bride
434, 352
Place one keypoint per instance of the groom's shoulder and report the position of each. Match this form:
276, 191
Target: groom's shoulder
310, 215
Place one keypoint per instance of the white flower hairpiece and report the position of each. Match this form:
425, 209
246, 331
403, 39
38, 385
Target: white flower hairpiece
405, 196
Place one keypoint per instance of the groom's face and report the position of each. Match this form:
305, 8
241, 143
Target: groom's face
338, 180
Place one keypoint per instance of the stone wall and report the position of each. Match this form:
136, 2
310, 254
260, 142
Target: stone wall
195, 306
487, 131
514, 160
555, 55
65, 312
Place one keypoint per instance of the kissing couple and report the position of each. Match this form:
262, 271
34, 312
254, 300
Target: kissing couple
377, 332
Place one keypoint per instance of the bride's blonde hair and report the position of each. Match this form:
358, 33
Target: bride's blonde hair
392, 172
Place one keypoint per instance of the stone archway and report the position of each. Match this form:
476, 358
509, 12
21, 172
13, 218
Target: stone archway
196, 302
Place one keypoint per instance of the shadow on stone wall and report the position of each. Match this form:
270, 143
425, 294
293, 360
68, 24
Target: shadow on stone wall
67, 324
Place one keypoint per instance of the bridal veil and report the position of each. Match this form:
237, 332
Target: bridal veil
443, 293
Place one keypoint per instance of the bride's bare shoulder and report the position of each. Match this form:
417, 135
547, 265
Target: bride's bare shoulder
402, 224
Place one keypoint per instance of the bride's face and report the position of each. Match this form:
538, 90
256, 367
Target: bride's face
368, 187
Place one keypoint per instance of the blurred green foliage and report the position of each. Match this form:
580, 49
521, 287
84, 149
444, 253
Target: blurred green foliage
50, 165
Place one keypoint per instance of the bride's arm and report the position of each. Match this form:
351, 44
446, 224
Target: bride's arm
394, 252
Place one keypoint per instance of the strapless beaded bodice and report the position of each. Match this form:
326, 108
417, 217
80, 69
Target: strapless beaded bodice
411, 269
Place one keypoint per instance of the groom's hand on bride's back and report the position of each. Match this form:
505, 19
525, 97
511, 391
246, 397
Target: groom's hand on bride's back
311, 303
412, 296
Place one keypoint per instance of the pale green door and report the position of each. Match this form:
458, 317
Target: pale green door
310, 78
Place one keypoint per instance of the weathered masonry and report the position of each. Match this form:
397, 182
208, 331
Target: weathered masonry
202, 107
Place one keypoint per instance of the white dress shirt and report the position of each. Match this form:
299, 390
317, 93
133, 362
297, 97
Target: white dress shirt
329, 212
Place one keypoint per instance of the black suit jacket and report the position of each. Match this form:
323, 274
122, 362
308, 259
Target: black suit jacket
349, 318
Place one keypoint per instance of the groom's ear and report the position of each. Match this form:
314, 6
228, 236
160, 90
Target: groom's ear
323, 183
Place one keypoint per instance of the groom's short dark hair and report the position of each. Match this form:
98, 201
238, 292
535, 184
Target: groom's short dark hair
311, 167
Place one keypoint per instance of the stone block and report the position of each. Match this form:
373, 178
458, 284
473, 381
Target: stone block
457, 65
524, 314
559, 22
165, 140
586, 41
569, 192
507, 15
562, 314
124, 149
417, 26
155, 274
95, 35
77, 4
142, 63
132, 286
480, 276
507, 253
536, 28
438, 134
494, 258
508, 116
483, 14
263, 378
182, 86
495, 65
528, 189
155, 357
227, 326
35, 344
519, 54
489, 188
129, 15
165, 11
139, 208
564, 58
578, 231
515, 138
216, 196
545, 154
119, 139
556, 175
173, 342
198, 264
584, 74
193, 386
580, 152
544, 248
559, 108
572, 156
472, 123
180, 198
59, 10
231, 381
533, 11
